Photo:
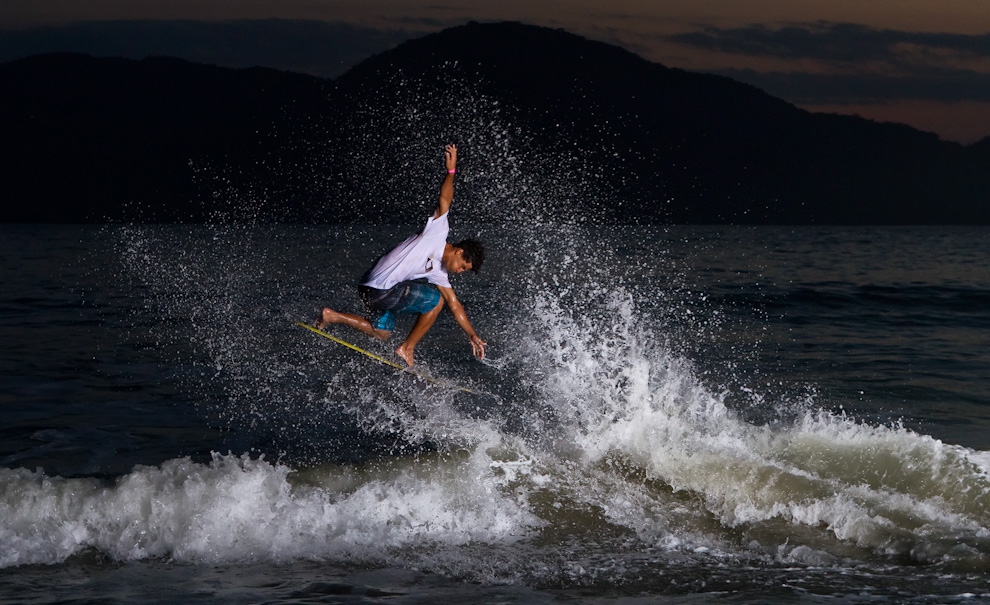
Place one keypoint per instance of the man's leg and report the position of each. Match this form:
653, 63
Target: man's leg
423, 324
329, 316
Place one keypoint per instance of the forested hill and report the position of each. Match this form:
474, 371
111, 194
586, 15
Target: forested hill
546, 120
87, 140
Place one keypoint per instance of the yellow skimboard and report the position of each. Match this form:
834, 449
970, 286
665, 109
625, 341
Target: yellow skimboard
381, 359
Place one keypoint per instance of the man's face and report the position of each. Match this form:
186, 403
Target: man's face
457, 263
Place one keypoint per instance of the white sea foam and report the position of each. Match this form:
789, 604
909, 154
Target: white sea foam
617, 434
885, 489
243, 509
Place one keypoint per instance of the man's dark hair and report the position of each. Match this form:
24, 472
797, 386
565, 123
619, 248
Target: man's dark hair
474, 252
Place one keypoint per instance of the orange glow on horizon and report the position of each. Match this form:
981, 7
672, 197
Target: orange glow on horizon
964, 122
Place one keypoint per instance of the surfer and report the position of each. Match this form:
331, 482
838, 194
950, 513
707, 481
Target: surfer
413, 278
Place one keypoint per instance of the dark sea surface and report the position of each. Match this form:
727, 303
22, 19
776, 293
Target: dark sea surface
666, 415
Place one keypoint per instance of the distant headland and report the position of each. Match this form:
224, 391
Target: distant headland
550, 122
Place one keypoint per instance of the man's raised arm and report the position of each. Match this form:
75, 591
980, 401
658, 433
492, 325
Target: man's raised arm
447, 187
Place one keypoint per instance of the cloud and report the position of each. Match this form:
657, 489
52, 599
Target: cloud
837, 43
314, 47
423, 23
856, 63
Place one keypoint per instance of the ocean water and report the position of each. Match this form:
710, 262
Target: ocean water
666, 415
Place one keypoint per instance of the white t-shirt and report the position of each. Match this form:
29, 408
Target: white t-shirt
417, 257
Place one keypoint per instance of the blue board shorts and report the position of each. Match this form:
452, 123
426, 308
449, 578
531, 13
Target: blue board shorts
404, 297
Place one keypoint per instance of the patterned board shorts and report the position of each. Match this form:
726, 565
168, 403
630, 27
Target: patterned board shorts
404, 297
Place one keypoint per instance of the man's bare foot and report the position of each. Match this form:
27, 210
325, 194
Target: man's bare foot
406, 355
327, 317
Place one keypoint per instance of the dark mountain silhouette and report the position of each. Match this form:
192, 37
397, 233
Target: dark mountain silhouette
87, 140
692, 147
592, 130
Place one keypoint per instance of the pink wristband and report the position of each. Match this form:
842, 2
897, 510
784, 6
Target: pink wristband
452, 171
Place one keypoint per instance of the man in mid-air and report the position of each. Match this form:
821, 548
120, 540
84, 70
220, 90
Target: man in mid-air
412, 278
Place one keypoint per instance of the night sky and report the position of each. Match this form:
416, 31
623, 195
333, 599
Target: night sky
924, 63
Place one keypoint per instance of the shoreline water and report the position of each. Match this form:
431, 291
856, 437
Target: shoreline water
675, 411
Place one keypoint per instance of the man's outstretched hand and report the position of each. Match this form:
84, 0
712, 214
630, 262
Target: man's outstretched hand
478, 346
450, 155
